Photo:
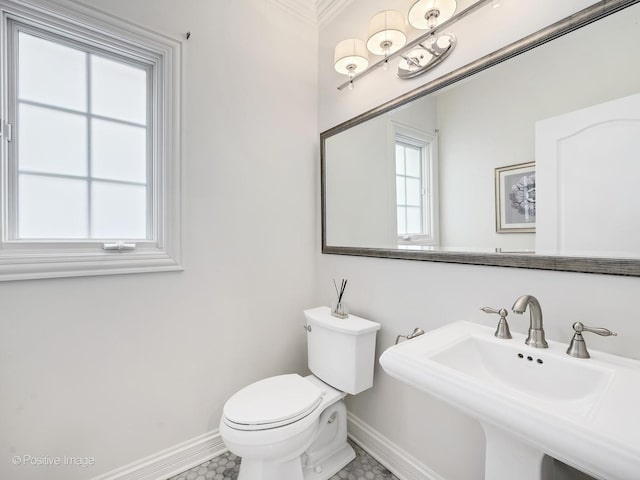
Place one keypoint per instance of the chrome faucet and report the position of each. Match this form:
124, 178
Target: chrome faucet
536, 332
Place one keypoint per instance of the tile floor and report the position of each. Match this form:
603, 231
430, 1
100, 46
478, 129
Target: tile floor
226, 467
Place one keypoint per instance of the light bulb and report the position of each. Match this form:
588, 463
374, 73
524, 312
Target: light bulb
351, 85
385, 67
432, 18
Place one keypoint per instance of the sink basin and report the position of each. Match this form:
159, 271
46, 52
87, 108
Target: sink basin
531, 401
544, 378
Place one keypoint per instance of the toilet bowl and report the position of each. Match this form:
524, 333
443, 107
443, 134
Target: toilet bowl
308, 442
289, 427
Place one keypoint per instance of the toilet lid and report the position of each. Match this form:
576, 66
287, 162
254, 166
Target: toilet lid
272, 402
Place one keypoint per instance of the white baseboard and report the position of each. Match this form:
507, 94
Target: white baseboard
182, 457
171, 461
397, 461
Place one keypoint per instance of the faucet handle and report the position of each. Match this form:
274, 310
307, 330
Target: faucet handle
496, 311
580, 327
577, 347
502, 331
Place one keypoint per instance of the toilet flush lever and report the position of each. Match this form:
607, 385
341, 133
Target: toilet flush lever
502, 331
307, 328
416, 333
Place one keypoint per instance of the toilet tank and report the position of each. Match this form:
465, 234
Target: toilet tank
341, 351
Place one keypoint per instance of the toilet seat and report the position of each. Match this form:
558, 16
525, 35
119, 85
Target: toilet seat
272, 402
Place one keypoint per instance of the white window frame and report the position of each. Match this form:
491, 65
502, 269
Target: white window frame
73, 24
428, 144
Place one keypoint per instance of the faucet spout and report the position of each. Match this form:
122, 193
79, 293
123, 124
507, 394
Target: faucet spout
536, 330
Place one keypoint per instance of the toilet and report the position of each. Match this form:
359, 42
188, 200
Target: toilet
290, 427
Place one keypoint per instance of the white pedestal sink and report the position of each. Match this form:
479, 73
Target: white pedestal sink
530, 401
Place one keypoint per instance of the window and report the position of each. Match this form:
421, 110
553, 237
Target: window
90, 146
415, 182
82, 143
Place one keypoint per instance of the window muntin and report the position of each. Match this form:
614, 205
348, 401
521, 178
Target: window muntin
82, 149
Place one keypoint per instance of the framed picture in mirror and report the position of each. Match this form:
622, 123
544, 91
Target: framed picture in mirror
516, 198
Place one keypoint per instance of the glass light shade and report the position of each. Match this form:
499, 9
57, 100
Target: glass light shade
351, 56
420, 12
386, 33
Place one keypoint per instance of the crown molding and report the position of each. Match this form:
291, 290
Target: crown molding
303, 9
327, 10
316, 12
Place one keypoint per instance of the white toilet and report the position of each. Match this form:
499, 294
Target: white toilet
290, 427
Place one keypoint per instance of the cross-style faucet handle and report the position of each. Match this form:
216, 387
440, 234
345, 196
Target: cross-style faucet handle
502, 331
577, 347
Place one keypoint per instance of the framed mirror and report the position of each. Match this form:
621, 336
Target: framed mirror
527, 157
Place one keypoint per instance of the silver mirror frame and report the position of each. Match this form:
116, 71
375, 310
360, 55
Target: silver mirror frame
602, 265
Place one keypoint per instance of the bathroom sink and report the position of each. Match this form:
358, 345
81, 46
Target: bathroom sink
584, 412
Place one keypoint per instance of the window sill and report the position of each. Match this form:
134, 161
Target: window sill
29, 266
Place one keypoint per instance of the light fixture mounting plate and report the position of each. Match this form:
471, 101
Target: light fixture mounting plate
435, 52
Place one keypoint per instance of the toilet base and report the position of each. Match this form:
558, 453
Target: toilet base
291, 470
332, 465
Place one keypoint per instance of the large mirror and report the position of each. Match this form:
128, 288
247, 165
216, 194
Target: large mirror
528, 157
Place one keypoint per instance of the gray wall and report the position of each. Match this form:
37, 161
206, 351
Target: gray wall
121, 367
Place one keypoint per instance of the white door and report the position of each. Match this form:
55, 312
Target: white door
588, 180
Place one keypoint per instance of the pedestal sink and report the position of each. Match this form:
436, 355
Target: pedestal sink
530, 401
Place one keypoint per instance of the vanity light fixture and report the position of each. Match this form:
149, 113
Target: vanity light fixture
387, 38
386, 34
351, 58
